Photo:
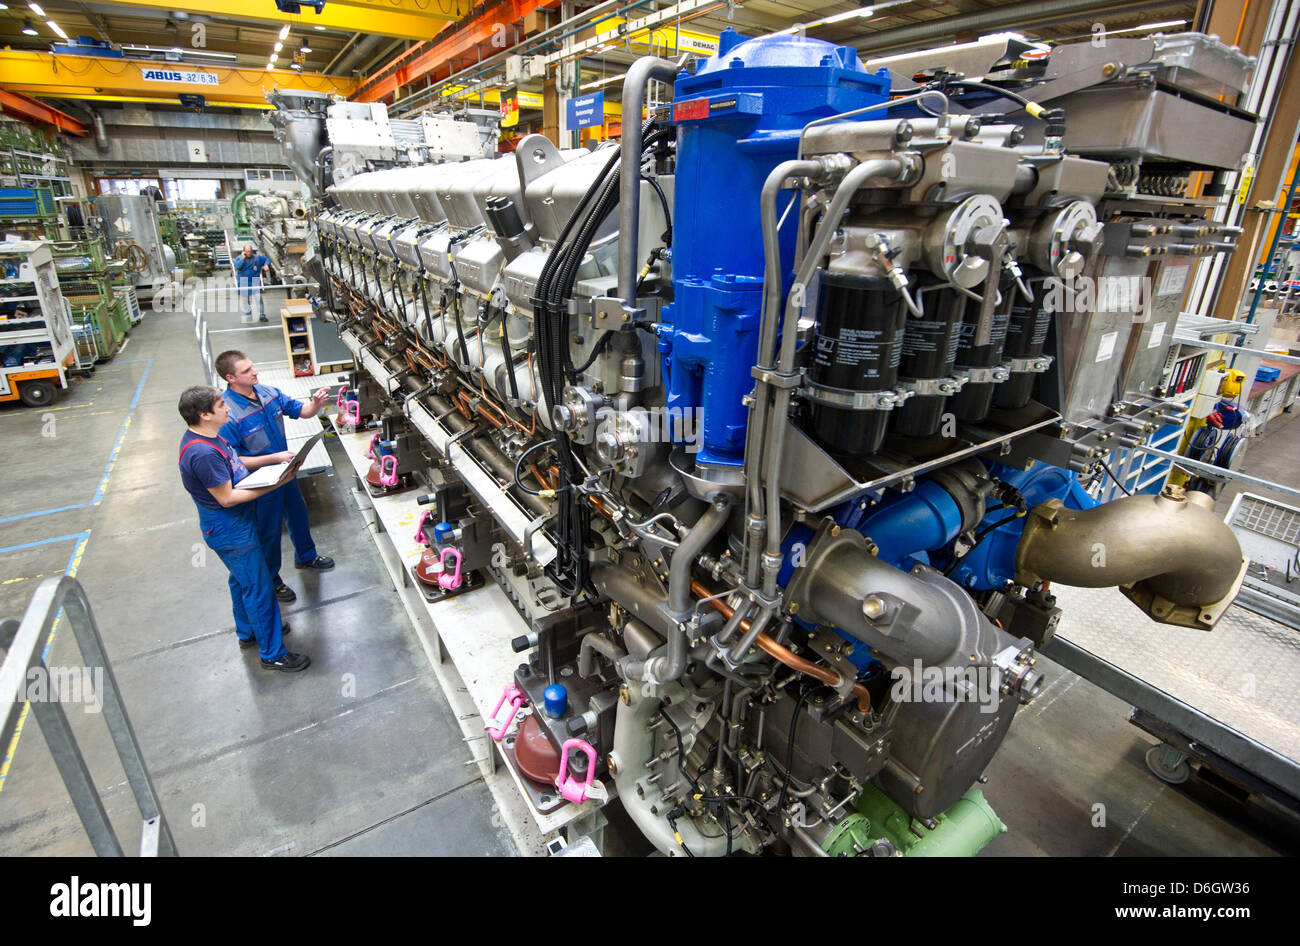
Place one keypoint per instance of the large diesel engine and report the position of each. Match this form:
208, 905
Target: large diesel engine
776, 420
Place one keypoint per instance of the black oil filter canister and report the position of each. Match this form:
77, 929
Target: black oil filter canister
972, 402
857, 348
928, 351
1026, 335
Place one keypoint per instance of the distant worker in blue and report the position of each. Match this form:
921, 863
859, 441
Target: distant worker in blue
210, 468
256, 428
250, 267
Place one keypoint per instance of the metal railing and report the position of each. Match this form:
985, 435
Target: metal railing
25, 655
201, 331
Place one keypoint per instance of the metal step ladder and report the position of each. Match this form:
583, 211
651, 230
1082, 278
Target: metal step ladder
24, 655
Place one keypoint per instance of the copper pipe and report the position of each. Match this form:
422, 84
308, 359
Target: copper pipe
783, 654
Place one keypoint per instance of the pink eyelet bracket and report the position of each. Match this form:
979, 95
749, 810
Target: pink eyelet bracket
515, 697
449, 581
572, 790
388, 471
370, 447
419, 530
342, 399
352, 413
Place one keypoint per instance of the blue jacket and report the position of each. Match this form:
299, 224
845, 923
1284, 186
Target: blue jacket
256, 430
249, 269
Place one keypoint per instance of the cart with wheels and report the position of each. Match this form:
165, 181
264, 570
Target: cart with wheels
36, 340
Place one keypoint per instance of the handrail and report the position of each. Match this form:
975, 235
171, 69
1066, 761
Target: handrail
65, 595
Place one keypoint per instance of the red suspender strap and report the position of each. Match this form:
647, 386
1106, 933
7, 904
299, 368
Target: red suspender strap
212, 445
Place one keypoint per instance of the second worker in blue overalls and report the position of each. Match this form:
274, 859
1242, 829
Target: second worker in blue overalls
256, 428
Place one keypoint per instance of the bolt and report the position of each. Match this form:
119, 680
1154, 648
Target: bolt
1109, 69
873, 607
625, 695
793, 608
835, 530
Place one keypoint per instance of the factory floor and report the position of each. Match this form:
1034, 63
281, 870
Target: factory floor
359, 755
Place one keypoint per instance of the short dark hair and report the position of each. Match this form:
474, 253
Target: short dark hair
225, 363
197, 401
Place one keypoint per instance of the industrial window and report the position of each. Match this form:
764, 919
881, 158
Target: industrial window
126, 185
183, 188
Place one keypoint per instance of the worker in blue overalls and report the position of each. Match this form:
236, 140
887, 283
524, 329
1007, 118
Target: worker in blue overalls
210, 468
249, 269
256, 428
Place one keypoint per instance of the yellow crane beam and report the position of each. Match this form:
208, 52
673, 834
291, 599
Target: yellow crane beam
401, 19
93, 77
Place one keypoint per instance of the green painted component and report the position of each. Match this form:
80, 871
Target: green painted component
237, 208
851, 836
961, 831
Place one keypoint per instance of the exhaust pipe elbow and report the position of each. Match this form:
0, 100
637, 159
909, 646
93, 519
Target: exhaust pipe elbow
1169, 554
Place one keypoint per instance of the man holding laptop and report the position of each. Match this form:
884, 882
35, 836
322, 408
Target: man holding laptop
256, 429
210, 471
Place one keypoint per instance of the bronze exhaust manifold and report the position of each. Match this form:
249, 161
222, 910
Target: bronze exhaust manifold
1168, 553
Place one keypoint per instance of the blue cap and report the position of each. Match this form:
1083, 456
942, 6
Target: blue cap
440, 529
555, 700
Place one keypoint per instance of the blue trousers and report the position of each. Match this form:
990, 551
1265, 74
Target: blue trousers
274, 508
232, 534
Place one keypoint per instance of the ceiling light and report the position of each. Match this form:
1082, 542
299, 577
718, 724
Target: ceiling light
1160, 25
296, 66
849, 15
29, 29
321, 28
284, 33
58, 30
304, 48
274, 57
269, 67
4, 6
597, 84
36, 8
278, 47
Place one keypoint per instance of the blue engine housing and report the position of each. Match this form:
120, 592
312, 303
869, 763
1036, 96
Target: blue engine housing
739, 116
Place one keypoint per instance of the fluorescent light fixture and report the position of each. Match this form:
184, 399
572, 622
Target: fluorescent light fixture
274, 57
847, 15
599, 82
269, 67
284, 33
321, 28
4, 6
28, 29
1146, 26
278, 47
58, 30
1160, 25
36, 8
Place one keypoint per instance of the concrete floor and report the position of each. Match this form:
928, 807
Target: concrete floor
359, 755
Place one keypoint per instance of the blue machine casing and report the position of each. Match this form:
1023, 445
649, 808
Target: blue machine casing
739, 116
991, 564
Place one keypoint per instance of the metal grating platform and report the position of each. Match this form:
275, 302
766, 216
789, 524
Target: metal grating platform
298, 432
1245, 674
1267, 518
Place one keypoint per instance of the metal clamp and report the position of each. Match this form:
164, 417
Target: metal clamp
885, 400
776, 378
994, 375
1034, 365
933, 387
611, 312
